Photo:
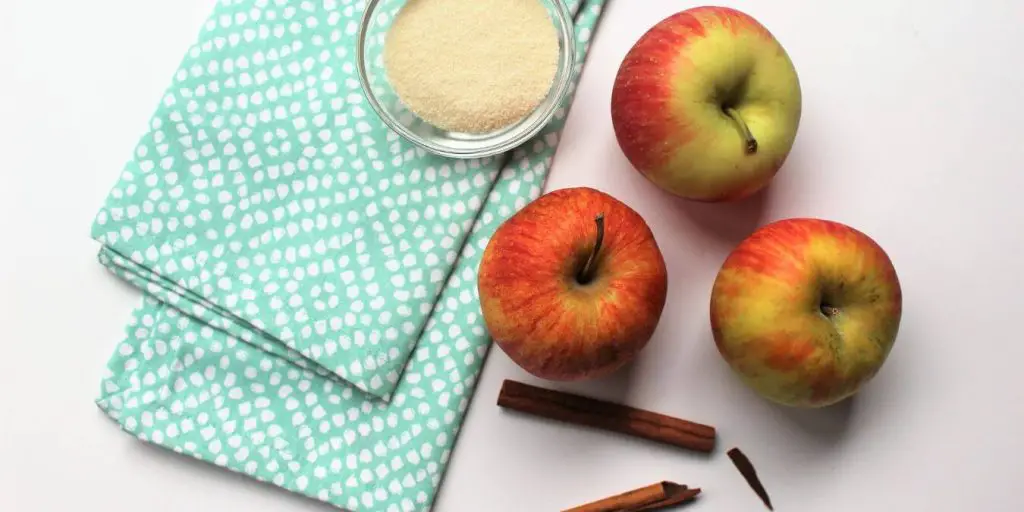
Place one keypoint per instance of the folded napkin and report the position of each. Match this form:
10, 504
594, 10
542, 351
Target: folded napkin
310, 315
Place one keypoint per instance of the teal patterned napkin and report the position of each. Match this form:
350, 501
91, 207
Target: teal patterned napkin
311, 317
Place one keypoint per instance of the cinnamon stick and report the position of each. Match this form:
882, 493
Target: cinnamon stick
746, 469
678, 499
651, 497
579, 410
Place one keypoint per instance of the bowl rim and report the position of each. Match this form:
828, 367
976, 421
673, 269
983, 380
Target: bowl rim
558, 91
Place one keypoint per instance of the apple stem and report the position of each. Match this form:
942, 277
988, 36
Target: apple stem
587, 274
744, 130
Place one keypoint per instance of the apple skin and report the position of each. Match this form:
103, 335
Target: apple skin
806, 311
537, 311
673, 89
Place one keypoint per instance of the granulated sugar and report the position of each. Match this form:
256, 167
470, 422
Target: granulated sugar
471, 65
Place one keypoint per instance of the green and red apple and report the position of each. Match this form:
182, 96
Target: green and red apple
706, 104
806, 311
573, 285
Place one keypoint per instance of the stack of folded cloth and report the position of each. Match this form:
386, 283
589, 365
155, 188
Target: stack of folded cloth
310, 315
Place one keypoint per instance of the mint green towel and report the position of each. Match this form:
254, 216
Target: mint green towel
311, 317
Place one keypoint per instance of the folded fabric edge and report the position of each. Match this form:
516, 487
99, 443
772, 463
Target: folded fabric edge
187, 302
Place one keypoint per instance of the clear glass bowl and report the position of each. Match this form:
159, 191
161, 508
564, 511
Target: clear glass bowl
373, 30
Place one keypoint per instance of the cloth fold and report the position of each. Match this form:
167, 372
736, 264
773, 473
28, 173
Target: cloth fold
310, 315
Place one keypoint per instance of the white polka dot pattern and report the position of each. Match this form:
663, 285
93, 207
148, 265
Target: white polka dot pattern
311, 317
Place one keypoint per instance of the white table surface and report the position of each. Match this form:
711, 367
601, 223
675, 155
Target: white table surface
913, 131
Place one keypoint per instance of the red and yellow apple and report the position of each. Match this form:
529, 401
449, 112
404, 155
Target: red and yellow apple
706, 104
573, 285
806, 311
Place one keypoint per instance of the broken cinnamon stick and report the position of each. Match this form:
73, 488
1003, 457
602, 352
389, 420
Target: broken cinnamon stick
746, 469
590, 412
678, 499
652, 497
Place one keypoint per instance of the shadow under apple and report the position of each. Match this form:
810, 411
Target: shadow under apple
614, 387
826, 427
727, 223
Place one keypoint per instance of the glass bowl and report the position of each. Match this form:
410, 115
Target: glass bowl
373, 79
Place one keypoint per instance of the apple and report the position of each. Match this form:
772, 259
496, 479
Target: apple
572, 286
806, 311
706, 105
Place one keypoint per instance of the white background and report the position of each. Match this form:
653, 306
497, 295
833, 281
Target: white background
913, 131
